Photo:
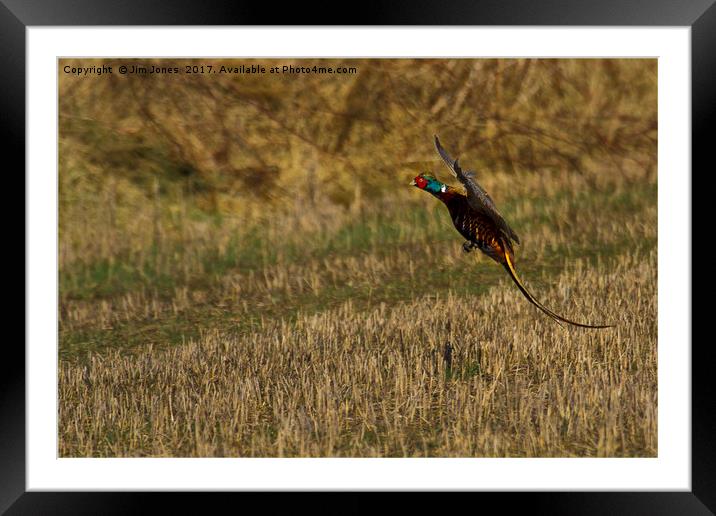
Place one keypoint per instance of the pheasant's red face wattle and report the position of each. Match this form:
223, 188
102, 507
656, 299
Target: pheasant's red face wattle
420, 182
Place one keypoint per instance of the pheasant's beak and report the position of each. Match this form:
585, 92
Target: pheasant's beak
412, 183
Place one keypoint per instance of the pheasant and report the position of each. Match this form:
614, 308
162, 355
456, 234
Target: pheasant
476, 218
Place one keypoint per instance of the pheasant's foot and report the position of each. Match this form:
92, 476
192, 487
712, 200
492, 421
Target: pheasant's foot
468, 246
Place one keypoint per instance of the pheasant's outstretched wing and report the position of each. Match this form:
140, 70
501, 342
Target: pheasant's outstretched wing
476, 196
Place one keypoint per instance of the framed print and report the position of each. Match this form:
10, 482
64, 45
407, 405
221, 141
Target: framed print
241, 276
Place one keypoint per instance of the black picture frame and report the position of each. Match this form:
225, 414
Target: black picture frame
17, 15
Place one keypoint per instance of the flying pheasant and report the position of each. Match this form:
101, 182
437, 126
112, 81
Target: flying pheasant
476, 218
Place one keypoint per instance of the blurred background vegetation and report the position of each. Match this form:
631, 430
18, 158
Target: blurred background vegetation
237, 144
233, 140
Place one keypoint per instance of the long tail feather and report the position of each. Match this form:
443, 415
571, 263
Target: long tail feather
513, 274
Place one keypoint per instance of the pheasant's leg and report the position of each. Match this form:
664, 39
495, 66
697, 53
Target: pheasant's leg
468, 246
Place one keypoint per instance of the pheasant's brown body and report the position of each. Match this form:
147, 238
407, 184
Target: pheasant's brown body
476, 227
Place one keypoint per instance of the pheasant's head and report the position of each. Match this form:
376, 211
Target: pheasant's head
429, 183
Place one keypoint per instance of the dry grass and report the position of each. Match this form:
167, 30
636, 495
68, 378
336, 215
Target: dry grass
347, 382
197, 319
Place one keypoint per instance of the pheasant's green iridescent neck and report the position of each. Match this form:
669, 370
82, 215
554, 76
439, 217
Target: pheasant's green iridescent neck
434, 186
